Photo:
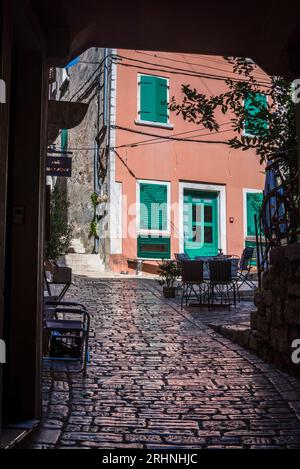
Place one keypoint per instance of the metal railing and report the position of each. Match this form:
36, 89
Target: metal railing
277, 223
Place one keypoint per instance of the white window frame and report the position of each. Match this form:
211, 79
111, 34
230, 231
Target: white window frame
138, 120
142, 232
245, 192
222, 210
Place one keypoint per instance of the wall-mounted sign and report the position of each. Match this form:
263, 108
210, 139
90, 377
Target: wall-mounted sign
59, 166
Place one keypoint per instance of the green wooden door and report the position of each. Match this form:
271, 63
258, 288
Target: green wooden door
201, 225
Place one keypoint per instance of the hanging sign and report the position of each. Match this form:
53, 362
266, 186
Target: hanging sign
59, 166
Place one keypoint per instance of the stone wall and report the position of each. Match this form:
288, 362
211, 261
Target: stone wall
276, 322
81, 141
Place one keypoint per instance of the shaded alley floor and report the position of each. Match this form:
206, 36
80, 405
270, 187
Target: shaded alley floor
162, 378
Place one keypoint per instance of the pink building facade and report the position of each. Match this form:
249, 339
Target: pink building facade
173, 186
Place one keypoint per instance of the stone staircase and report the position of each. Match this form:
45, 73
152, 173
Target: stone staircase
76, 247
83, 264
80, 262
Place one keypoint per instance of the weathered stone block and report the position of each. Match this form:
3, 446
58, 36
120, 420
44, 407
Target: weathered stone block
292, 252
291, 314
277, 255
293, 288
253, 343
267, 297
268, 315
279, 284
253, 319
259, 300
279, 339
277, 314
267, 281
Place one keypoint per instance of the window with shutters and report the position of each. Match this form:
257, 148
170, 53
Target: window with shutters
255, 104
253, 205
153, 99
153, 207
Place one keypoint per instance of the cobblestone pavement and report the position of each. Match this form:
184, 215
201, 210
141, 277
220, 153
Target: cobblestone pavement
159, 378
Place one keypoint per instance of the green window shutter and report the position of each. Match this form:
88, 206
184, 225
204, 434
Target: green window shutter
254, 104
254, 202
153, 206
64, 140
161, 100
153, 99
147, 98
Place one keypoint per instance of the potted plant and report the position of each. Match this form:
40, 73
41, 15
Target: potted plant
169, 271
61, 231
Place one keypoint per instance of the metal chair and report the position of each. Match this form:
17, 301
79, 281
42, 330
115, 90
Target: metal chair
67, 325
58, 276
182, 257
220, 278
244, 269
192, 275
206, 260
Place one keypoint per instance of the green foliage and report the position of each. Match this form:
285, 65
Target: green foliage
95, 199
60, 229
94, 226
169, 271
274, 121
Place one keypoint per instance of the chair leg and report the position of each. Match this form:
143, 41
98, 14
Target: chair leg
183, 294
228, 297
234, 295
187, 295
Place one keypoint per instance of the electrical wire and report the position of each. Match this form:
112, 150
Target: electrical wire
188, 132
179, 71
90, 77
194, 64
162, 138
118, 127
145, 143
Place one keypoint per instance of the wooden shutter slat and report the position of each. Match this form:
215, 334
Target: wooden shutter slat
254, 201
147, 98
153, 200
153, 99
161, 100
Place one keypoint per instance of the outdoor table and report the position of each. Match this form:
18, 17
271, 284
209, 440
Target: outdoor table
206, 276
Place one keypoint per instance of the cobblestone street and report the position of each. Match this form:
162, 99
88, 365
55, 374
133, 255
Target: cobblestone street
162, 378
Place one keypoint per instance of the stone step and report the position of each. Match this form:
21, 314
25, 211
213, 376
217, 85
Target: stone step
81, 263
76, 247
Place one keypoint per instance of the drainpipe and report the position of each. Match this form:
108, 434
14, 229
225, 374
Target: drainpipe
106, 111
105, 122
96, 155
105, 87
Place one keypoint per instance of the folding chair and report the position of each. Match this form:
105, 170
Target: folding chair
67, 325
59, 276
220, 278
192, 275
244, 269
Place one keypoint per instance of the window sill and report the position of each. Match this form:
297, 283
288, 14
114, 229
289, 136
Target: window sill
154, 233
154, 124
